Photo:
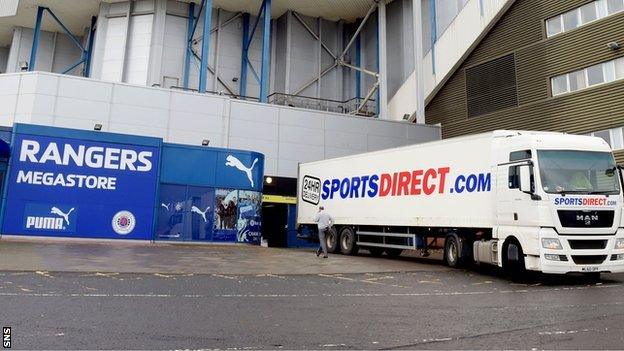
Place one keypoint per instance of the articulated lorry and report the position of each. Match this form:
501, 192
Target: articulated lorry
539, 201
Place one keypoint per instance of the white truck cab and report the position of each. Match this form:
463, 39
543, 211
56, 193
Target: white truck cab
562, 201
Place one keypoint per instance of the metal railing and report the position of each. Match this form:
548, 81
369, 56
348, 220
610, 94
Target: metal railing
352, 106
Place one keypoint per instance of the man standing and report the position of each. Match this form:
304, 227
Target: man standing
325, 222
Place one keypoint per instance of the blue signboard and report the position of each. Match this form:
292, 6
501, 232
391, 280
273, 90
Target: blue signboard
64, 186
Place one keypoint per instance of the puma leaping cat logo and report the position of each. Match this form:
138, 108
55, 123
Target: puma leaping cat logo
236, 163
200, 212
56, 211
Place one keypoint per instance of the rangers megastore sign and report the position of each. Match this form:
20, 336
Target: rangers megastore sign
72, 187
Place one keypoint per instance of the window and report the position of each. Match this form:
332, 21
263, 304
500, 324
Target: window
615, 6
520, 155
583, 15
605, 72
595, 75
514, 178
554, 26
614, 137
617, 142
588, 13
619, 68
571, 20
605, 135
560, 85
577, 81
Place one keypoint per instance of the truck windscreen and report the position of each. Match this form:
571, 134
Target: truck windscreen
578, 172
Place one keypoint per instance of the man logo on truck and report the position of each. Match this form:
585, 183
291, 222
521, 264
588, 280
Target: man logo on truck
311, 190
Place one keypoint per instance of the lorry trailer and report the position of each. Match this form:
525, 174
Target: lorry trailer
521, 200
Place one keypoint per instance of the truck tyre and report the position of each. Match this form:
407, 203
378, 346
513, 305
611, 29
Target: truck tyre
348, 241
393, 253
452, 251
376, 251
333, 245
513, 259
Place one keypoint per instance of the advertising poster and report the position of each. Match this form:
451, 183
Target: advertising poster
225, 213
249, 217
80, 188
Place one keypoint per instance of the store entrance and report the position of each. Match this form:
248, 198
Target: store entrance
275, 224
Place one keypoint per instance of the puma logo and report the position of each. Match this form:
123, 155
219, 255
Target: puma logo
58, 212
236, 163
196, 209
166, 206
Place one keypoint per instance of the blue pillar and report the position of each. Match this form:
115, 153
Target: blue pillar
358, 63
89, 52
244, 57
434, 31
266, 43
189, 43
203, 67
35, 43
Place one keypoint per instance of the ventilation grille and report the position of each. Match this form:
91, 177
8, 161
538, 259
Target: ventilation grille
491, 86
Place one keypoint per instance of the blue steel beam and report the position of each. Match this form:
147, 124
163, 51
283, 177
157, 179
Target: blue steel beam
244, 57
189, 43
203, 67
67, 31
266, 43
35, 43
89, 52
76, 64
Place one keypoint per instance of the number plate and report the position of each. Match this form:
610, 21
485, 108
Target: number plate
590, 269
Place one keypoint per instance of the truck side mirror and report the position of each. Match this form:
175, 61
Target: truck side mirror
525, 179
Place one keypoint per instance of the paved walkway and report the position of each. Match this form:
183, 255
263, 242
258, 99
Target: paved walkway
127, 257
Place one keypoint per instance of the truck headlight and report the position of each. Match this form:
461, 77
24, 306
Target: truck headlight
619, 244
551, 244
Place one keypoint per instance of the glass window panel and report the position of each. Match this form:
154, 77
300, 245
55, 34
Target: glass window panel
602, 8
588, 13
577, 81
595, 75
615, 6
571, 20
604, 134
609, 70
619, 68
616, 139
553, 26
560, 84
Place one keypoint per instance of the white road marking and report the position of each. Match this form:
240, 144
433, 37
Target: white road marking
423, 294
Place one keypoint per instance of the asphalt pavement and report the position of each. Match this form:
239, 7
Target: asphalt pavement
427, 307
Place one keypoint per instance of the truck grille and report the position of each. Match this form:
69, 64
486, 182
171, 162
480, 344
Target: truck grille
586, 219
589, 259
587, 244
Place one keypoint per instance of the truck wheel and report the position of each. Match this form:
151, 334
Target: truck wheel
331, 238
513, 259
393, 253
376, 251
348, 240
452, 251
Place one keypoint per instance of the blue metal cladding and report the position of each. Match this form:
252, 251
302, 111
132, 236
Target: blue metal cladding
65, 182
213, 167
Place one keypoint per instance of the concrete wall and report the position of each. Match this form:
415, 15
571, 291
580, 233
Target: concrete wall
285, 135
56, 51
